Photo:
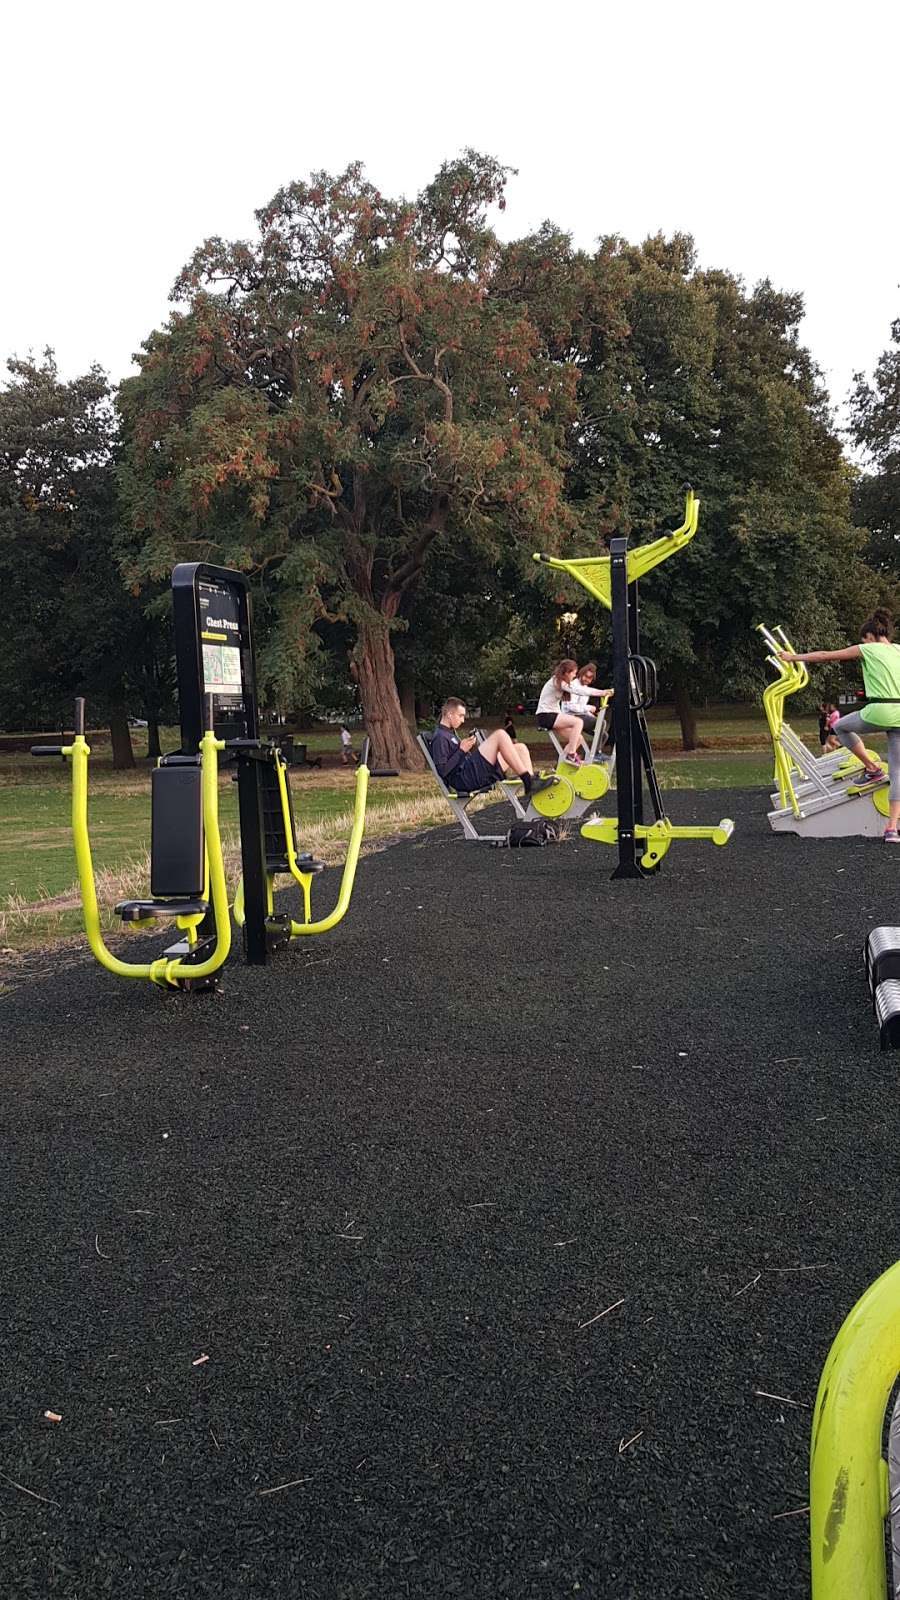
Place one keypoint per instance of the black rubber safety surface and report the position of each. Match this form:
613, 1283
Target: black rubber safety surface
515, 1219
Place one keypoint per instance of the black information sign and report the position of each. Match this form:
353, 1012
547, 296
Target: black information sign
214, 653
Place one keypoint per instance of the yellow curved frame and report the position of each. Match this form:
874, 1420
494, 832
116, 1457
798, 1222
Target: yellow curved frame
324, 924
594, 573
849, 1489
164, 971
791, 676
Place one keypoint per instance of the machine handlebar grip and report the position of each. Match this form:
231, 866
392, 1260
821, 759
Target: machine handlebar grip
46, 749
79, 716
380, 772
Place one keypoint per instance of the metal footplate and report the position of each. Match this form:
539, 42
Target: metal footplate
656, 837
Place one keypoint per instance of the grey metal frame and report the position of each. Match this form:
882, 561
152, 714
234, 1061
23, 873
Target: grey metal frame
604, 721
459, 802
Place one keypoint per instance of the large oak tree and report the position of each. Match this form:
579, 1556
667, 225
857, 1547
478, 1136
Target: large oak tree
337, 397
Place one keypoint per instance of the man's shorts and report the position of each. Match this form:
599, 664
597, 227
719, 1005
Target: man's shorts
473, 773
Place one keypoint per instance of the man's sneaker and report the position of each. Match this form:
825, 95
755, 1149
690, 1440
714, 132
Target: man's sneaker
537, 784
891, 836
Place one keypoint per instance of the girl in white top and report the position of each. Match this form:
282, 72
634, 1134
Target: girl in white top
554, 707
582, 688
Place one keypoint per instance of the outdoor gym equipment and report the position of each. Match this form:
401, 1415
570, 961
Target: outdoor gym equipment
187, 875
458, 801
881, 954
853, 1490
219, 716
281, 857
577, 788
215, 660
821, 797
613, 580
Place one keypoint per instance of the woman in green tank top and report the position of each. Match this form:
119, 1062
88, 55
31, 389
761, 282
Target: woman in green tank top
881, 677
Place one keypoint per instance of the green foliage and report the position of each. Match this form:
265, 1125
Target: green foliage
379, 411
70, 627
692, 378
341, 394
875, 428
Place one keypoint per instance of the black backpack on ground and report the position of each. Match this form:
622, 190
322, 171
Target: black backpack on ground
538, 832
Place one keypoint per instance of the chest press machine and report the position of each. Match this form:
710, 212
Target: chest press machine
219, 719
613, 580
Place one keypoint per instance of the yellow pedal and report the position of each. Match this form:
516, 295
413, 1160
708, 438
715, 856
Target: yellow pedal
603, 829
591, 781
555, 801
872, 787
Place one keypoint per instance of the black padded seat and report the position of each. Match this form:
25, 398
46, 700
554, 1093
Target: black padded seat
310, 864
278, 864
136, 910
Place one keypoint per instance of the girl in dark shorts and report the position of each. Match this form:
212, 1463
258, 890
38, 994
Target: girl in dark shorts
552, 709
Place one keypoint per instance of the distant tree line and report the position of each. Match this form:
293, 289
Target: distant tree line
379, 411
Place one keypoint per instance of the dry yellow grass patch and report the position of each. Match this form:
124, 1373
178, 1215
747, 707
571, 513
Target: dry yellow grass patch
22, 922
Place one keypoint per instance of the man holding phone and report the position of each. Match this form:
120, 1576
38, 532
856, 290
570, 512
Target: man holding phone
465, 765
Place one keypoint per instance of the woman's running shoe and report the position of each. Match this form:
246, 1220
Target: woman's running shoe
891, 836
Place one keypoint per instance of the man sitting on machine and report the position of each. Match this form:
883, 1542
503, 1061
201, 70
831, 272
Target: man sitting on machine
465, 765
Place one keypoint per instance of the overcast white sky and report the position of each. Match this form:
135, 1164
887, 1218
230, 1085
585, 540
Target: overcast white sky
131, 131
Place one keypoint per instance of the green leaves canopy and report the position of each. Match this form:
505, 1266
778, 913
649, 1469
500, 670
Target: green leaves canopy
341, 393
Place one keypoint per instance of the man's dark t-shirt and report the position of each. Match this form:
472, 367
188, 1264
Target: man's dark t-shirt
445, 752
464, 771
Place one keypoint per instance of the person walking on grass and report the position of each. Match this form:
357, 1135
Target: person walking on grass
881, 714
347, 756
553, 708
465, 765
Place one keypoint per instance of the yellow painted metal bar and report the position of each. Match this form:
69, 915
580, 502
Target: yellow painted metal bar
349, 873
304, 879
594, 573
657, 837
791, 676
161, 971
849, 1494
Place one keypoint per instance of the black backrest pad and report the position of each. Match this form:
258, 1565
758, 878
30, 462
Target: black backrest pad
273, 813
176, 832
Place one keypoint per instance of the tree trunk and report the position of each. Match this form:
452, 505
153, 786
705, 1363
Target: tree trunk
154, 748
406, 688
120, 738
393, 742
687, 716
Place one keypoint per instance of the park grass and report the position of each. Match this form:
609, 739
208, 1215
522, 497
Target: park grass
39, 899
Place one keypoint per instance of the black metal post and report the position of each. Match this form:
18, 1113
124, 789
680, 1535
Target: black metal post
622, 719
637, 751
253, 858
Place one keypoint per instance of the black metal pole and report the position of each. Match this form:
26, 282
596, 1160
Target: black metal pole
637, 751
253, 858
622, 719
